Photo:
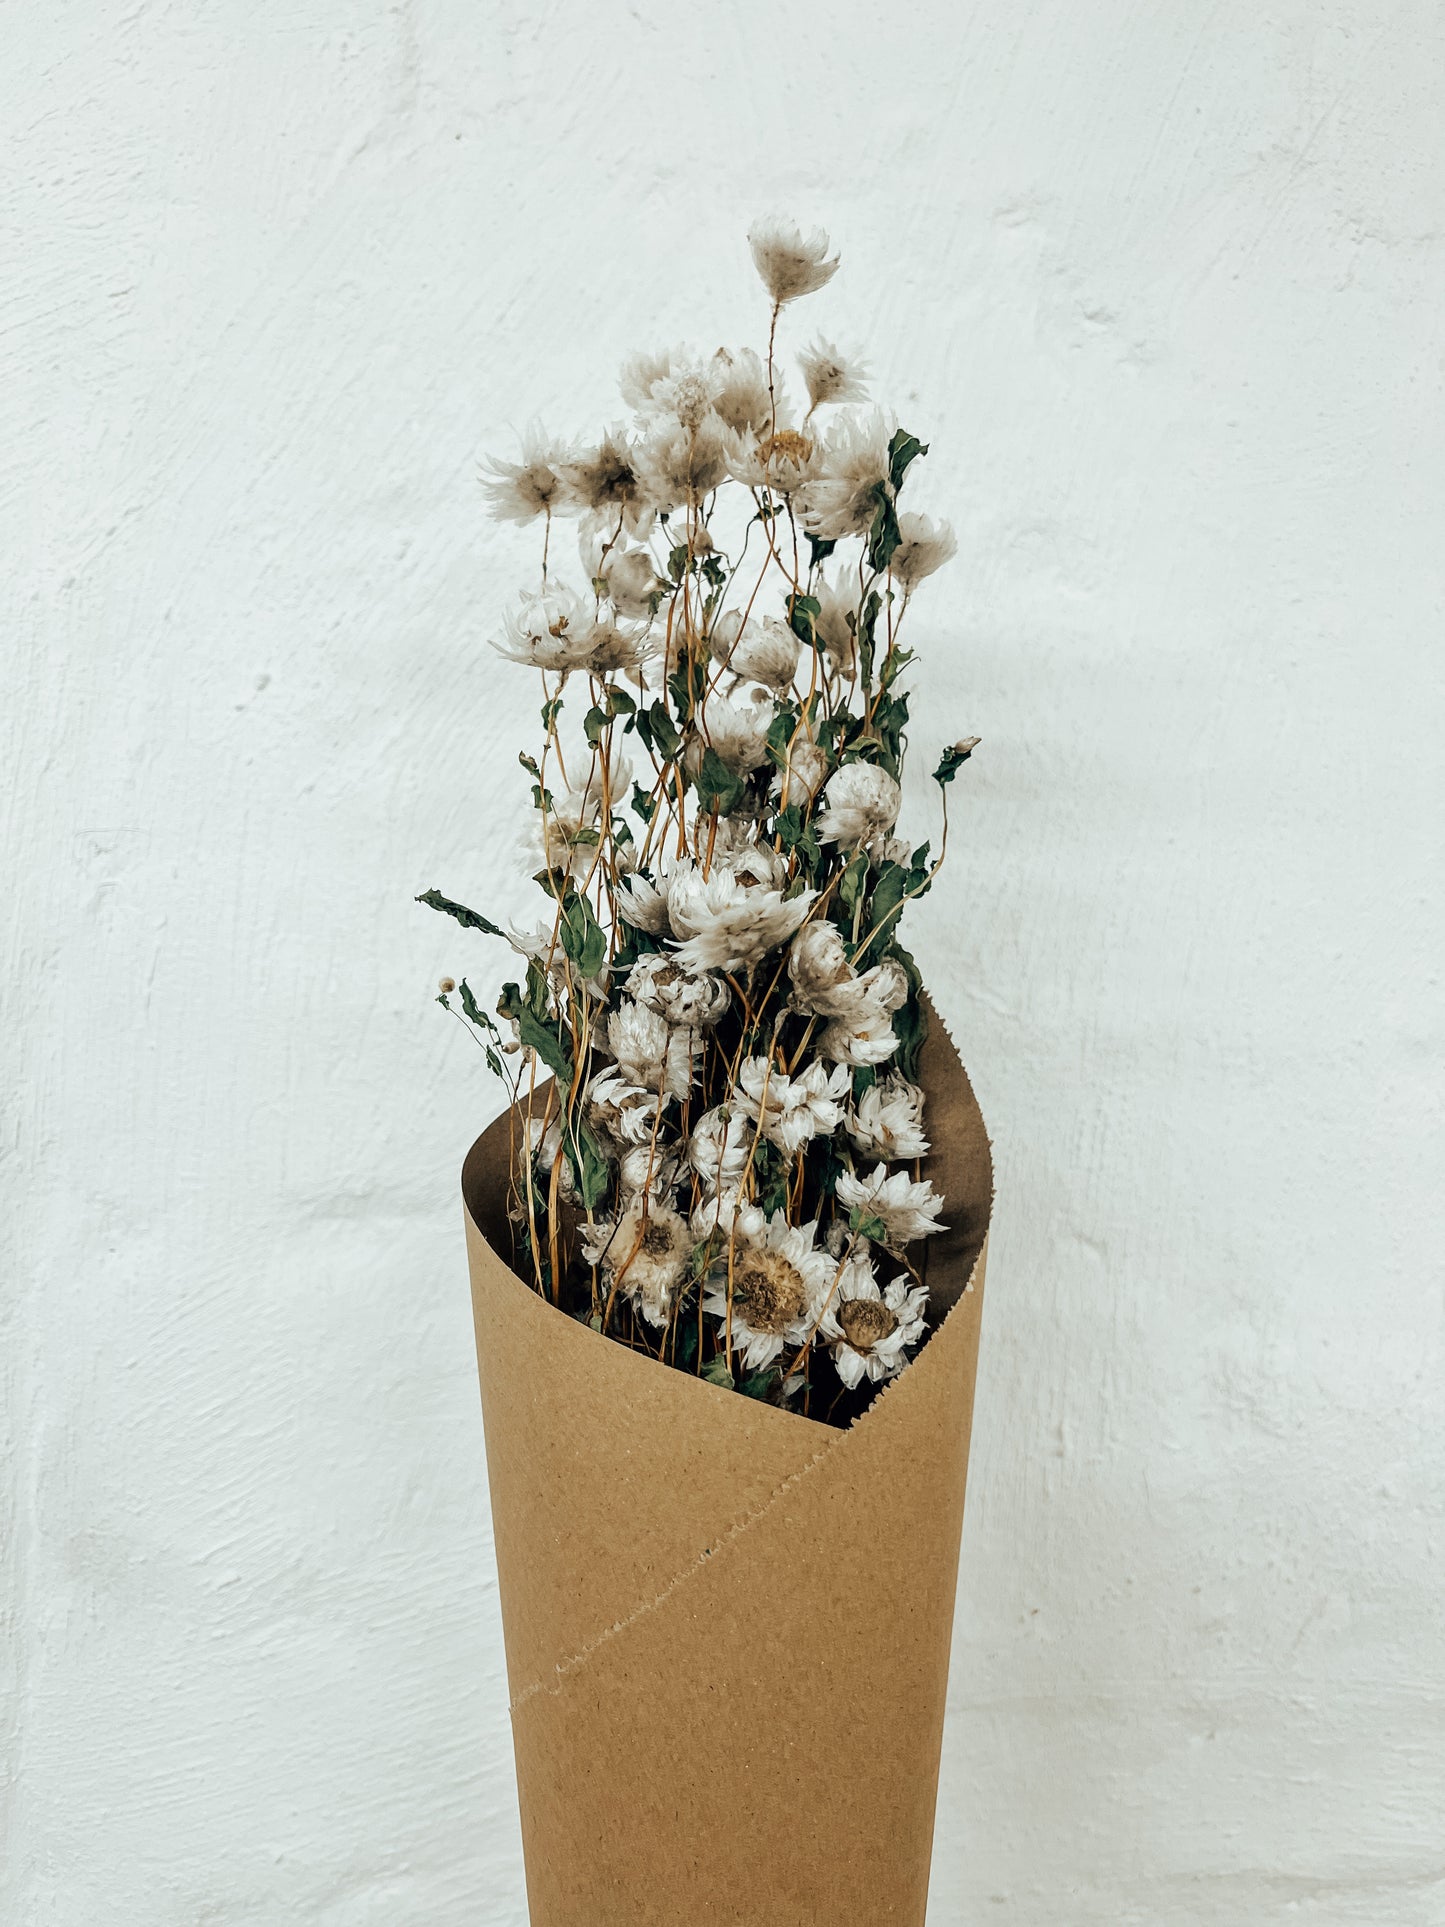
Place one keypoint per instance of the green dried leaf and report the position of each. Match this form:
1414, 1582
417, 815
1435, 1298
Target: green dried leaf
901, 451
591, 1171
888, 893
685, 1355
468, 919
583, 938
954, 758
883, 536
539, 991
864, 629
910, 1022
481, 1018
868, 1227
542, 1037
664, 730
780, 734
898, 660
850, 884
718, 788
803, 611
797, 833
716, 1373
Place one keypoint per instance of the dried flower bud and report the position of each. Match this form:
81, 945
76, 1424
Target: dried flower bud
788, 262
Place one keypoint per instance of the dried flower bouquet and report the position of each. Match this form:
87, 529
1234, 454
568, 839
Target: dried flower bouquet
722, 1170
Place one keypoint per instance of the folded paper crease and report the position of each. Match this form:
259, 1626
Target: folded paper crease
578, 1659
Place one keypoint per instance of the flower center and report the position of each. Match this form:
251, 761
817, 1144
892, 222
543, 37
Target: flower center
692, 400
657, 1240
787, 446
866, 1322
768, 1292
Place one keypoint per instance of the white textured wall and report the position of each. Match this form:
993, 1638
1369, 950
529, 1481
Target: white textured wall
1163, 284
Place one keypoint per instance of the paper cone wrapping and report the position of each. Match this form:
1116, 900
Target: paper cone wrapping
727, 1626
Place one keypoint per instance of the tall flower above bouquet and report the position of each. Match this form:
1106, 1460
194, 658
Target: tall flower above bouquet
714, 1050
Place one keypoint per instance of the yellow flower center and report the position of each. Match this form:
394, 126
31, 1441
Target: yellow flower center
768, 1292
787, 446
866, 1322
657, 1240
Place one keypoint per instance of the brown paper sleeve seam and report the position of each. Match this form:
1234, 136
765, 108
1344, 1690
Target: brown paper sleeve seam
566, 1667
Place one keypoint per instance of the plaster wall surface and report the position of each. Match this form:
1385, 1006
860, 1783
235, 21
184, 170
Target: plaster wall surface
1161, 284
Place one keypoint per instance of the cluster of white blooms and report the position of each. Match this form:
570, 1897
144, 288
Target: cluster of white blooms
719, 1032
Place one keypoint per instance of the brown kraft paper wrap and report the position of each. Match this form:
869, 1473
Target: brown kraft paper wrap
727, 1625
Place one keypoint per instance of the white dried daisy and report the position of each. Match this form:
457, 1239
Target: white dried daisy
752, 861
568, 840
654, 1168
844, 499
650, 1053
861, 1031
738, 386
791, 1110
775, 1295
603, 482
719, 1147
860, 804
686, 395
618, 646
643, 1253
717, 1212
887, 1120
904, 1208
766, 653
691, 998
819, 968
869, 1331
637, 1039
695, 536
887, 984
549, 630
633, 586
831, 376
803, 773
781, 460
736, 727
790, 263
723, 637
680, 465
644, 906
620, 1112
865, 1038
925, 546
645, 374
835, 624
520, 491
727, 919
